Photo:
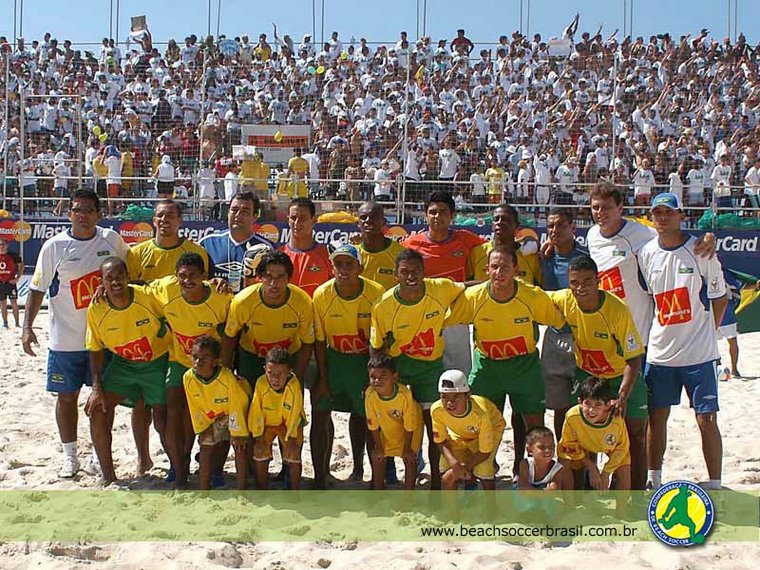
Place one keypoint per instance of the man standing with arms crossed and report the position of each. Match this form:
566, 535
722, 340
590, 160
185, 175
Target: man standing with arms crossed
446, 252
342, 319
690, 298
68, 266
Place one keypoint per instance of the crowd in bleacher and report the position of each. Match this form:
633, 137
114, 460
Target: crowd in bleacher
526, 118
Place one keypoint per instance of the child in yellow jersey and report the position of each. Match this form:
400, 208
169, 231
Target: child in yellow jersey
468, 430
394, 419
590, 427
540, 470
218, 404
277, 412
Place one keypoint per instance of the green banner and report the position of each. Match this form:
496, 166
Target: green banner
392, 516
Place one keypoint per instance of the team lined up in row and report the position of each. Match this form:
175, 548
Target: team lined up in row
422, 322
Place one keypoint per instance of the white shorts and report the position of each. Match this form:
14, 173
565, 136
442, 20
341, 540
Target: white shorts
457, 354
726, 331
543, 194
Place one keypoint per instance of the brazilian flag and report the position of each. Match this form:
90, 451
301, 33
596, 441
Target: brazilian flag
744, 288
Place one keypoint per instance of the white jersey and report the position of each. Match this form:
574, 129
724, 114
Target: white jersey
617, 259
683, 330
69, 269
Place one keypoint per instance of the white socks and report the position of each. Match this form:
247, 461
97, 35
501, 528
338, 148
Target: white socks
654, 477
712, 485
70, 449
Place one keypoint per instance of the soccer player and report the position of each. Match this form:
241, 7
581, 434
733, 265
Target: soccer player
557, 359
11, 269
504, 225
446, 252
227, 249
157, 258
268, 314
277, 412
192, 308
394, 419
311, 260
615, 244
342, 320
407, 324
690, 298
505, 314
69, 267
468, 430
131, 328
592, 427
607, 346
378, 251
218, 405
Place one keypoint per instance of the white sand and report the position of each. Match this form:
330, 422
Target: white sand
30, 455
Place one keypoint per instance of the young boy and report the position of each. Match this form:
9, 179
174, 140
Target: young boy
277, 412
540, 470
590, 427
218, 404
394, 419
468, 430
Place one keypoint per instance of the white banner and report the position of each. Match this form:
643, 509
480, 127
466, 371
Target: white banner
277, 143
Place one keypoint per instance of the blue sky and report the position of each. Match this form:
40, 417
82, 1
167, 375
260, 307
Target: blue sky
378, 21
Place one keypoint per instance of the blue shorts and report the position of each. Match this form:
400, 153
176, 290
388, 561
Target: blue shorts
664, 384
67, 372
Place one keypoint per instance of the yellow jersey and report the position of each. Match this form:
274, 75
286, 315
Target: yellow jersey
270, 408
528, 266
150, 261
604, 338
222, 395
137, 333
394, 416
414, 329
505, 329
495, 176
189, 320
478, 430
380, 266
344, 324
580, 437
262, 327
255, 173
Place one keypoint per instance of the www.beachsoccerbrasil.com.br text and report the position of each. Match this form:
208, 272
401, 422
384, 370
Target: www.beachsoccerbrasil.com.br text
545, 531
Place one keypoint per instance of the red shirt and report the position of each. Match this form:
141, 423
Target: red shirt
311, 267
9, 266
446, 258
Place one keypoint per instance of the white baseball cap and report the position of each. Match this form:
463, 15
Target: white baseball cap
453, 382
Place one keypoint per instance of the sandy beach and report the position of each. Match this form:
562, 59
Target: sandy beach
30, 453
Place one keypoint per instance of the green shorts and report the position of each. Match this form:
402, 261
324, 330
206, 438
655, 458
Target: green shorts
250, 366
347, 378
133, 380
174, 374
422, 377
637, 400
518, 377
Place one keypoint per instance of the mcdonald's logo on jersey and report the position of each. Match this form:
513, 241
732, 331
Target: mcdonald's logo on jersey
422, 344
83, 289
186, 341
262, 348
506, 348
673, 307
612, 282
595, 362
137, 351
351, 343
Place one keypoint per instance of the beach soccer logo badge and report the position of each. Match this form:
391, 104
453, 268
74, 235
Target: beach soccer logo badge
681, 514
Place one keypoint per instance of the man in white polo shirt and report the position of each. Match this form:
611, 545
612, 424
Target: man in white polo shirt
690, 298
68, 267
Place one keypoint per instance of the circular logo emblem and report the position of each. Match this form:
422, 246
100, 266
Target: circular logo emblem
681, 514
